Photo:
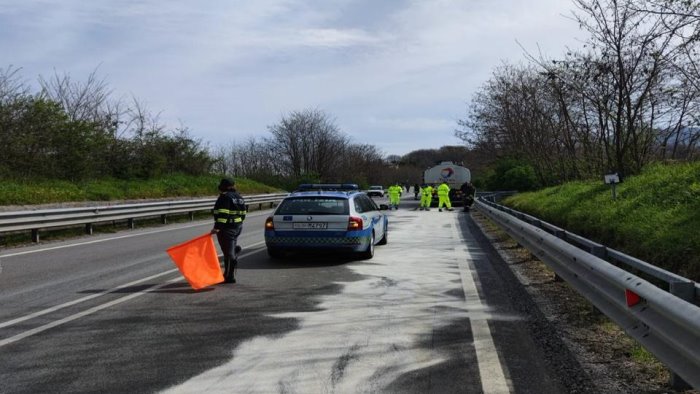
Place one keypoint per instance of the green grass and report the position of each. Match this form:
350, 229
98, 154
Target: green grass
33, 192
656, 216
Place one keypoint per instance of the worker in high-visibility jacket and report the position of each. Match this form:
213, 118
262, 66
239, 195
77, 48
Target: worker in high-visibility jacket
443, 193
394, 196
426, 197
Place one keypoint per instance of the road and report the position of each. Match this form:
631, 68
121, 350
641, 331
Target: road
433, 311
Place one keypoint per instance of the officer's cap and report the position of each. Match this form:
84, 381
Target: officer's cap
226, 183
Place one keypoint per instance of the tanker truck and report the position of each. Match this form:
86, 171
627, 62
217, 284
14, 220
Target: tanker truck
452, 174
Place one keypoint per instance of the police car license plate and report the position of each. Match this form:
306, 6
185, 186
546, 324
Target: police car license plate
311, 226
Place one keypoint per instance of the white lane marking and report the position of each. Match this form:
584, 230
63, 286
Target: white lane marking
79, 300
112, 238
87, 298
100, 240
84, 313
493, 379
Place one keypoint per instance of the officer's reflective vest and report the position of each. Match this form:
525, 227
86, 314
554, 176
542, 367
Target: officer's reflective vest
229, 210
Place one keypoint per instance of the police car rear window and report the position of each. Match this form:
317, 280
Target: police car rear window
314, 206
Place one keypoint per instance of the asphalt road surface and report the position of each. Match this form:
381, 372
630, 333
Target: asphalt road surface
433, 311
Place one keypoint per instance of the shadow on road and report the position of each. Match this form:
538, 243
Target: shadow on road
173, 288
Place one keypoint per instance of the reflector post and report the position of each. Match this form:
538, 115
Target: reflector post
632, 298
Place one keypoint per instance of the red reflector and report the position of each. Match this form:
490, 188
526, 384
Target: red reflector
632, 298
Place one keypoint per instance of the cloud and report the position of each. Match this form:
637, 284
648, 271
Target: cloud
385, 69
414, 124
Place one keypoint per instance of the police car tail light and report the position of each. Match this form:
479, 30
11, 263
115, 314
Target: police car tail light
269, 224
354, 223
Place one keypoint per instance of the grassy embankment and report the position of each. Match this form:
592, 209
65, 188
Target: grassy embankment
47, 192
25, 194
656, 216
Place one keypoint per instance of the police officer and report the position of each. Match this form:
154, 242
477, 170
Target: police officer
229, 214
468, 192
443, 192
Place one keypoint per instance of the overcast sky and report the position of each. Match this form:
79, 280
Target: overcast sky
393, 73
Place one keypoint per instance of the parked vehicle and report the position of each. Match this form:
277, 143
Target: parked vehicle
337, 217
452, 174
375, 191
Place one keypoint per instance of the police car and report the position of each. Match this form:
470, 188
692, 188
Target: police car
335, 217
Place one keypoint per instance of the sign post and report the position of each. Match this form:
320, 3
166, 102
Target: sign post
612, 179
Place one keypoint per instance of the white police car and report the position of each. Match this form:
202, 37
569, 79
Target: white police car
326, 217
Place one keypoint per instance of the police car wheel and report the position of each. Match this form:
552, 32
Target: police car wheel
274, 253
385, 238
369, 253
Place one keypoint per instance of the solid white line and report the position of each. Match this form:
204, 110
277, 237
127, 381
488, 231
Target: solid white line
87, 298
493, 379
209, 223
82, 314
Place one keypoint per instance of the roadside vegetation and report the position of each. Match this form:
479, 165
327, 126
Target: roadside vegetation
57, 191
655, 217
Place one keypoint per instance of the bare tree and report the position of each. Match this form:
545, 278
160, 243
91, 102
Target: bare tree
307, 142
84, 101
616, 95
11, 85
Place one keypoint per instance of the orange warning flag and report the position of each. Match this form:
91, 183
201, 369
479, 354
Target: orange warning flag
198, 261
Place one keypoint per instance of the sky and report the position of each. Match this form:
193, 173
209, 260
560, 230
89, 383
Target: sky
396, 74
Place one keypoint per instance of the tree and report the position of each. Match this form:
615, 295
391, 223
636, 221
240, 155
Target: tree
307, 142
624, 100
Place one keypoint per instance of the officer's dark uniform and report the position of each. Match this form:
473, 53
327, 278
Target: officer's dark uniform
468, 192
229, 213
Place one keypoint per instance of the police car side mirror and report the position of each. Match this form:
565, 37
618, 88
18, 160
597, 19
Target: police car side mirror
383, 207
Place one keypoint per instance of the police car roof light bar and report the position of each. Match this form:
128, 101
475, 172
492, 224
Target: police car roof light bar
328, 187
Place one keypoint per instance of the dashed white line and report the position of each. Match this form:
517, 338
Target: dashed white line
84, 313
95, 308
79, 300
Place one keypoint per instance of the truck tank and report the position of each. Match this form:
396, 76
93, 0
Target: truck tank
452, 174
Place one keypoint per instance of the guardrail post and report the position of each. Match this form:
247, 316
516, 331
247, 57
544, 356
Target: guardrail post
599, 251
130, 223
88, 228
191, 216
35, 235
164, 219
561, 234
684, 291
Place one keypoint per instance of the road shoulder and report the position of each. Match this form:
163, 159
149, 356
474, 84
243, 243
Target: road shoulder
613, 361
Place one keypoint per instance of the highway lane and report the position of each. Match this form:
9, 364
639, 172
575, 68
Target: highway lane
416, 318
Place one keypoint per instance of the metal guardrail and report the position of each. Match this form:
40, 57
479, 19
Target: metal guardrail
36, 220
666, 323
